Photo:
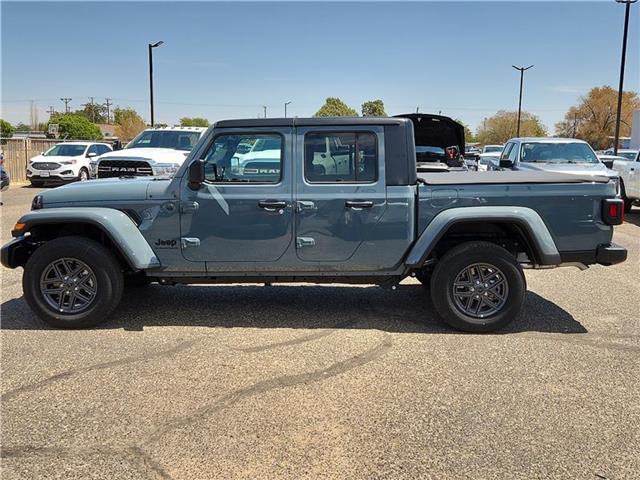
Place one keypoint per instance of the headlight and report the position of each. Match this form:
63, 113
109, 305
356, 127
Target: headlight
165, 169
36, 203
68, 162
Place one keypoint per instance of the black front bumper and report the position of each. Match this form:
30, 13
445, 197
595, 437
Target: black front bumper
15, 253
605, 254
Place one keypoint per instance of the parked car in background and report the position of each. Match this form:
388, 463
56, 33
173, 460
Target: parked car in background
489, 161
629, 171
64, 162
438, 142
627, 153
492, 148
5, 180
154, 152
609, 159
562, 155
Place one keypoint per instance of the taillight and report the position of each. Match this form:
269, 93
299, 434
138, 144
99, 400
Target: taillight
613, 211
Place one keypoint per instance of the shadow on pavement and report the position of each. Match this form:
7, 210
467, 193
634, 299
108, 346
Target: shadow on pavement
406, 310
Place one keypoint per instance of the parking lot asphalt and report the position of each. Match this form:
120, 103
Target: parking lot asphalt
301, 381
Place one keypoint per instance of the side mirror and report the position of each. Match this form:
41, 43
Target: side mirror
92, 154
506, 163
196, 174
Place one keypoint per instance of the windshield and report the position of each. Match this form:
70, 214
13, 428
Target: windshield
628, 155
165, 139
429, 154
491, 148
68, 150
574, 152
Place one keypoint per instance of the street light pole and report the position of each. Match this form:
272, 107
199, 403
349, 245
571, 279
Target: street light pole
285, 108
521, 70
616, 138
151, 47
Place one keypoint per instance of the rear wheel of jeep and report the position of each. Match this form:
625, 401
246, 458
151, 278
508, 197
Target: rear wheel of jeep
72, 282
478, 287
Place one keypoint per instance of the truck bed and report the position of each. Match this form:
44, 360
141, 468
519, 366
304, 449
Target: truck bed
506, 177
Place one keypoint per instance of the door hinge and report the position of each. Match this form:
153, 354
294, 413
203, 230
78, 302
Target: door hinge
189, 242
305, 242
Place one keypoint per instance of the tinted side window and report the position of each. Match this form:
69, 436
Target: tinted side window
93, 149
513, 154
244, 158
103, 149
505, 152
340, 157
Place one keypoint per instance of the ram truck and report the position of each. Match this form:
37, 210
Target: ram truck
341, 201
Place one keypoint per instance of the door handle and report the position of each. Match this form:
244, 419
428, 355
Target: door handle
272, 205
358, 204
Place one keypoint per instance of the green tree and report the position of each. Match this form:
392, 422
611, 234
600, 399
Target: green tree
128, 123
334, 107
594, 117
74, 127
373, 108
6, 129
468, 133
194, 122
94, 112
503, 125
23, 127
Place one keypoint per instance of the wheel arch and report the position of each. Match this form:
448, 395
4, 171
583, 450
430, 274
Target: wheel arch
110, 227
457, 225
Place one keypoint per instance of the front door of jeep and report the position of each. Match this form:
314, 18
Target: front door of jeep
241, 218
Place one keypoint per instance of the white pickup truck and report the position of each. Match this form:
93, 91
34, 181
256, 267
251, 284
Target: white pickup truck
629, 171
154, 152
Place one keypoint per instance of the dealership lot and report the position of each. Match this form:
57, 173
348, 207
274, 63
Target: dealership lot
333, 381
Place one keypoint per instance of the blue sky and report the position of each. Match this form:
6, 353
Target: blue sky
226, 60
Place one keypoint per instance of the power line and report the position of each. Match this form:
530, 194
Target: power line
66, 101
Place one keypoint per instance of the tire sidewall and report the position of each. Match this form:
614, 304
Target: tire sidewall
95, 256
444, 277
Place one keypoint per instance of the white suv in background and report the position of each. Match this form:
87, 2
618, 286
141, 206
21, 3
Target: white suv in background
64, 162
154, 152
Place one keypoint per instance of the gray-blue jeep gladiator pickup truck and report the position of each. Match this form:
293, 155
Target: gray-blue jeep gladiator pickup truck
312, 200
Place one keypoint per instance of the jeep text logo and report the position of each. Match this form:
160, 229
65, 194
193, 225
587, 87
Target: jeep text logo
166, 243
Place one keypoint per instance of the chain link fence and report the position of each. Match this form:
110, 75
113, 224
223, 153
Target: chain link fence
18, 151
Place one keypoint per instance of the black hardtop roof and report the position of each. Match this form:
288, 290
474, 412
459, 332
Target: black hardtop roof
308, 122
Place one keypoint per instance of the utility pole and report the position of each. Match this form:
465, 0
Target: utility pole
107, 105
66, 101
93, 110
575, 124
51, 111
264, 107
417, 109
616, 138
521, 70
285, 108
151, 47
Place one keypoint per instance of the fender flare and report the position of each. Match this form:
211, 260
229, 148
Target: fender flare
122, 231
523, 217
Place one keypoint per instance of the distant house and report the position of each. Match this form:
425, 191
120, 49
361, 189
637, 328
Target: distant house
108, 131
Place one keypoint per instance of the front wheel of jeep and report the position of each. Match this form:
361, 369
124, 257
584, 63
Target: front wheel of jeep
478, 287
72, 282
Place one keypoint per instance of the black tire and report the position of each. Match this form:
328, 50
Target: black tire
468, 255
83, 175
101, 262
36, 184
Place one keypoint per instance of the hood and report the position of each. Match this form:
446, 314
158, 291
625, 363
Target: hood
436, 130
103, 190
158, 155
575, 168
54, 158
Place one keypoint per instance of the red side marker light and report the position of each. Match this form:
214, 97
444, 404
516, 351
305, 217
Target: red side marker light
613, 210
